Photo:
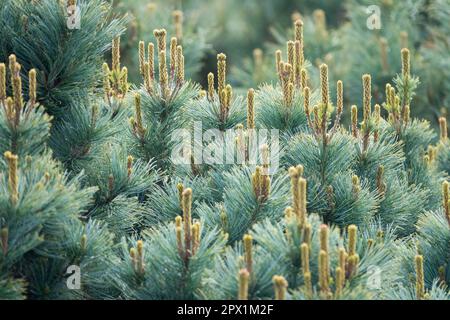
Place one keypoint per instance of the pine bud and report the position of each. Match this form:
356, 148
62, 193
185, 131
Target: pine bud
353, 258
224, 220
405, 62
324, 85
46, 177
187, 218
256, 182
339, 281
17, 93
298, 26
248, 252
229, 94
83, 242
195, 237
298, 63
290, 96
324, 235
2, 81
178, 221
12, 65
300, 170
404, 39
198, 236
306, 101
392, 96
178, 22
299, 37
211, 90
111, 185
340, 97
384, 55
278, 63
94, 114
13, 177
377, 111
258, 64
148, 81
355, 121
106, 81
420, 283
132, 123
141, 57
28, 161
32, 86
151, 7
286, 82
308, 284
303, 79
323, 272
258, 58
265, 159
352, 230
406, 114
367, 97
151, 60
304, 251
441, 272
129, 165
307, 234
445, 199
251, 109
291, 57
160, 36
178, 232
180, 189
325, 96
427, 160
243, 284
352, 265
295, 190
173, 56
180, 66
221, 74
123, 81
163, 77
71, 3
296, 16
320, 23
288, 216
396, 102
387, 94
342, 260
280, 287
4, 235
443, 129
139, 124
302, 203
201, 94
140, 256
133, 258
116, 54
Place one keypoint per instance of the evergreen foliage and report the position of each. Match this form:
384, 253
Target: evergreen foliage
267, 182
38, 35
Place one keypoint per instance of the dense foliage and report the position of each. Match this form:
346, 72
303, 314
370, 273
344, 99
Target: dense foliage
301, 172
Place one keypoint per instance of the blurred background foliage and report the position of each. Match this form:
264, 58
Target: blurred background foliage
336, 32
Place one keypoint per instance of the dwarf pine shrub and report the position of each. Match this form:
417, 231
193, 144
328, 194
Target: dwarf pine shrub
302, 173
